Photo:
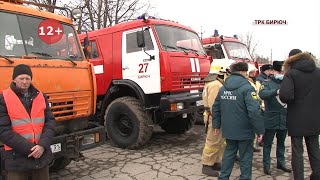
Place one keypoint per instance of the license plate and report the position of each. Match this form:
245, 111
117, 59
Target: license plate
55, 147
199, 103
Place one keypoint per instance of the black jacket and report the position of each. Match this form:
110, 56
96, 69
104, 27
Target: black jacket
300, 89
17, 159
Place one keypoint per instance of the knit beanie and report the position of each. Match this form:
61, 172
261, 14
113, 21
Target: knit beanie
294, 52
239, 66
21, 69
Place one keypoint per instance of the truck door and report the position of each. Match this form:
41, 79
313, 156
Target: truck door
137, 65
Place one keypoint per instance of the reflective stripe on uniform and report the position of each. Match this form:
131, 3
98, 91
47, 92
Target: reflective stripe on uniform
27, 136
18, 122
37, 120
38, 136
210, 150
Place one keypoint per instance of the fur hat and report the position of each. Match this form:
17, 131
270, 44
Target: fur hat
266, 67
21, 69
277, 65
239, 66
294, 52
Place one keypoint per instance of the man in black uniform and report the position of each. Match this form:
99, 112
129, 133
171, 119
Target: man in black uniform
275, 119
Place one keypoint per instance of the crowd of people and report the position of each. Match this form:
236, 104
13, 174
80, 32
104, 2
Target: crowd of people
243, 110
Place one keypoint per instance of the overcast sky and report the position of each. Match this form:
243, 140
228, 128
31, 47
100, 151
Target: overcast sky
231, 17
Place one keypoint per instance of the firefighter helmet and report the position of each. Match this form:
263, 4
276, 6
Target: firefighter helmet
220, 66
251, 67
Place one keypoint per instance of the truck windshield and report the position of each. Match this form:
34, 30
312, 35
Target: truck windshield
177, 39
19, 37
237, 51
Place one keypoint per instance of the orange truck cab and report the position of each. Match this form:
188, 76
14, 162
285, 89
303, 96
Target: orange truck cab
224, 47
60, 70
149, 72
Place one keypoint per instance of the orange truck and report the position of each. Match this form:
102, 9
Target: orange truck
60, 70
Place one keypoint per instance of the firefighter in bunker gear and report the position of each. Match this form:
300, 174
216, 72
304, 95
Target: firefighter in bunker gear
214, 146
252, 79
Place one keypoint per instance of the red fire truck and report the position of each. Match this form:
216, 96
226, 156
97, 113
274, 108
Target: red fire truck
148, 72
224, 47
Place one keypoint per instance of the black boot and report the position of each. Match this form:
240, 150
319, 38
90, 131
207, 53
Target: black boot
238, 158
284, 168
209, 171
314, 177
256, 149
217, 166
266, 171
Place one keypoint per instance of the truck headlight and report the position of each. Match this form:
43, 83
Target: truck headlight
180, 106
88, 139
176, 106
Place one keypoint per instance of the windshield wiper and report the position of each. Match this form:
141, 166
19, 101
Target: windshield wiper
42, 54
9, 60
242, 58
185, 50
171, 47
195, 51
68, 59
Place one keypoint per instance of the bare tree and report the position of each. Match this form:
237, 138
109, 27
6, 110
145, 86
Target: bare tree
261, 59
250, 42
97, 14
47, 2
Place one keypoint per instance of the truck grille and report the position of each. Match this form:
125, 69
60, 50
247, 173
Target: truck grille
70, 105
187, 81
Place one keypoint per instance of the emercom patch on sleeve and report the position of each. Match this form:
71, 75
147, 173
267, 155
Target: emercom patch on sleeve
254, 95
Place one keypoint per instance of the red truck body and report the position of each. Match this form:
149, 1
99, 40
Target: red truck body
158, 82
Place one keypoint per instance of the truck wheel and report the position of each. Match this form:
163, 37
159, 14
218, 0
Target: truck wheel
127, 124
198, 117
178, 125
59, 163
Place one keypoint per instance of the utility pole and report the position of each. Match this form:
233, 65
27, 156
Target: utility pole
201, 32
271, 57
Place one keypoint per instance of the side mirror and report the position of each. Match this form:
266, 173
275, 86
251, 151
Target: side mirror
85, 42
86, 47
140, 39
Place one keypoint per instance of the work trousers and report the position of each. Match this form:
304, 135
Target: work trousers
38, 174
246, 155
214, 147
268, 139
312, 143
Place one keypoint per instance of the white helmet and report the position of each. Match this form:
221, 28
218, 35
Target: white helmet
251, 67
216, 66
220, 66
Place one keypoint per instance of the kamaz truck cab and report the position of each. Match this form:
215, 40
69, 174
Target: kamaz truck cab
224, 47
149, 72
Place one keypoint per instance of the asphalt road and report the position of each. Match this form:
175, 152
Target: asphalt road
165, 157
